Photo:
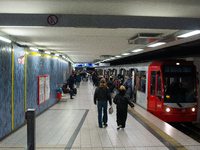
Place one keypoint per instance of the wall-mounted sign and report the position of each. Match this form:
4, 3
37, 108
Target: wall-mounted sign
21, 59
43, 88
52, 19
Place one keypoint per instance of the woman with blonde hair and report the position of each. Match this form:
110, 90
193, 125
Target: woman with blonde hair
122, 101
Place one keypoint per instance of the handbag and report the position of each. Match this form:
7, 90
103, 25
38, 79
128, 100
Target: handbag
110, 110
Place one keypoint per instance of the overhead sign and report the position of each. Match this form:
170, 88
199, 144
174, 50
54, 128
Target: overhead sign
52, 19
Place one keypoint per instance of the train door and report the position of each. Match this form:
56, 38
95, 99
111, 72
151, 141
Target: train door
154, 88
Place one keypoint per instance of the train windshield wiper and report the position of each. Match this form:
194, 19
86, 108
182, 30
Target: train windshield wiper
179, 104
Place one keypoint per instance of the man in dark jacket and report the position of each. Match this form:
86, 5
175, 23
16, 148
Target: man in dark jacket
101, 96
70, 81
111, 85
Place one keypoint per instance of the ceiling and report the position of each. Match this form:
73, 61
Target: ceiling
91, 43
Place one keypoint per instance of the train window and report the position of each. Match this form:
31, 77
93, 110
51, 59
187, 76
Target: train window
153, 82
159, 87
180, 89
141, 81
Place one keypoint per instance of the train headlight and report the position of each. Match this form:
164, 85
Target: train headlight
193, 109
167, 110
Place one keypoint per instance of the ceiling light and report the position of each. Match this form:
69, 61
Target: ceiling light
47, 52
189, 34
5, 40
112, 58
126, 54
34, 49
118, 56
157, 44
137, 50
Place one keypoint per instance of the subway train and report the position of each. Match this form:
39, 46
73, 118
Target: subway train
167, 89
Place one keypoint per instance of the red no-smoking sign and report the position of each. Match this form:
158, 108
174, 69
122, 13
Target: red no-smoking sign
52, 19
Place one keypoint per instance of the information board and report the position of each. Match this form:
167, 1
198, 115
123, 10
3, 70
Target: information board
43, 88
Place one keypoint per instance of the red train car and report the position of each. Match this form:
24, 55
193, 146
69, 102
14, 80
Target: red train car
172, 93
167, 89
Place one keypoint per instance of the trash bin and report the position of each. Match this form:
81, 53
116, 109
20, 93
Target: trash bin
59, 95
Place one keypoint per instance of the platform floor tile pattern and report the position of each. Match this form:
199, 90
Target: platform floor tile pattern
72, 124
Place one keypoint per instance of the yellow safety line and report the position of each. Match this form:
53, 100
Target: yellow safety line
25, 74
172, 141
12, 87
42, 55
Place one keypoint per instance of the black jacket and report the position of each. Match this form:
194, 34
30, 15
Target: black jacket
102, 93
111, 85
122, 102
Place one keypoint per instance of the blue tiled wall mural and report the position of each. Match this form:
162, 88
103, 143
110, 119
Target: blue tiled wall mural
26, 68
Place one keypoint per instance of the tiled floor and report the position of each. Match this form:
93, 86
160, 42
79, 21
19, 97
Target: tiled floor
72, 124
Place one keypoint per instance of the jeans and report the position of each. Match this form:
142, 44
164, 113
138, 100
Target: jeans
102, 106
78, 84
71, 93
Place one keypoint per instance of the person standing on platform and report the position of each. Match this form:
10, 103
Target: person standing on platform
101, 96
128, 85
106, 77
71, 84
122, 101
78, 79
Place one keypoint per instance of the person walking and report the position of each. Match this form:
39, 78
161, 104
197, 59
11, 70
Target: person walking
101, 96
122, 101
111, 86
95, 79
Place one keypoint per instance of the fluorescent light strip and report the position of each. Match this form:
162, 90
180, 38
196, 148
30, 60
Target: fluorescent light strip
47, 52
35, 49
137, 50
189, 34
126, 54
5, 40
157, 44
118, 56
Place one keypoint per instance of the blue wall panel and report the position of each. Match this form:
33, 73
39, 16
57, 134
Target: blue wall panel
38, 66
5, 88
19, 87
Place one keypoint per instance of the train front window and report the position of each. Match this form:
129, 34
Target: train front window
179, 84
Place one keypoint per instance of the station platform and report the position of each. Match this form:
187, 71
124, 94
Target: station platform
72, 124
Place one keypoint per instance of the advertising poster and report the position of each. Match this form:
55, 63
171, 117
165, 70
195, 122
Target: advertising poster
43, 88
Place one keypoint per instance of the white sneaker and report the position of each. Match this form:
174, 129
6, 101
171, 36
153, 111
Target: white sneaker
119, 127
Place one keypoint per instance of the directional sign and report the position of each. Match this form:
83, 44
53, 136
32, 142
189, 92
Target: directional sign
52, 19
